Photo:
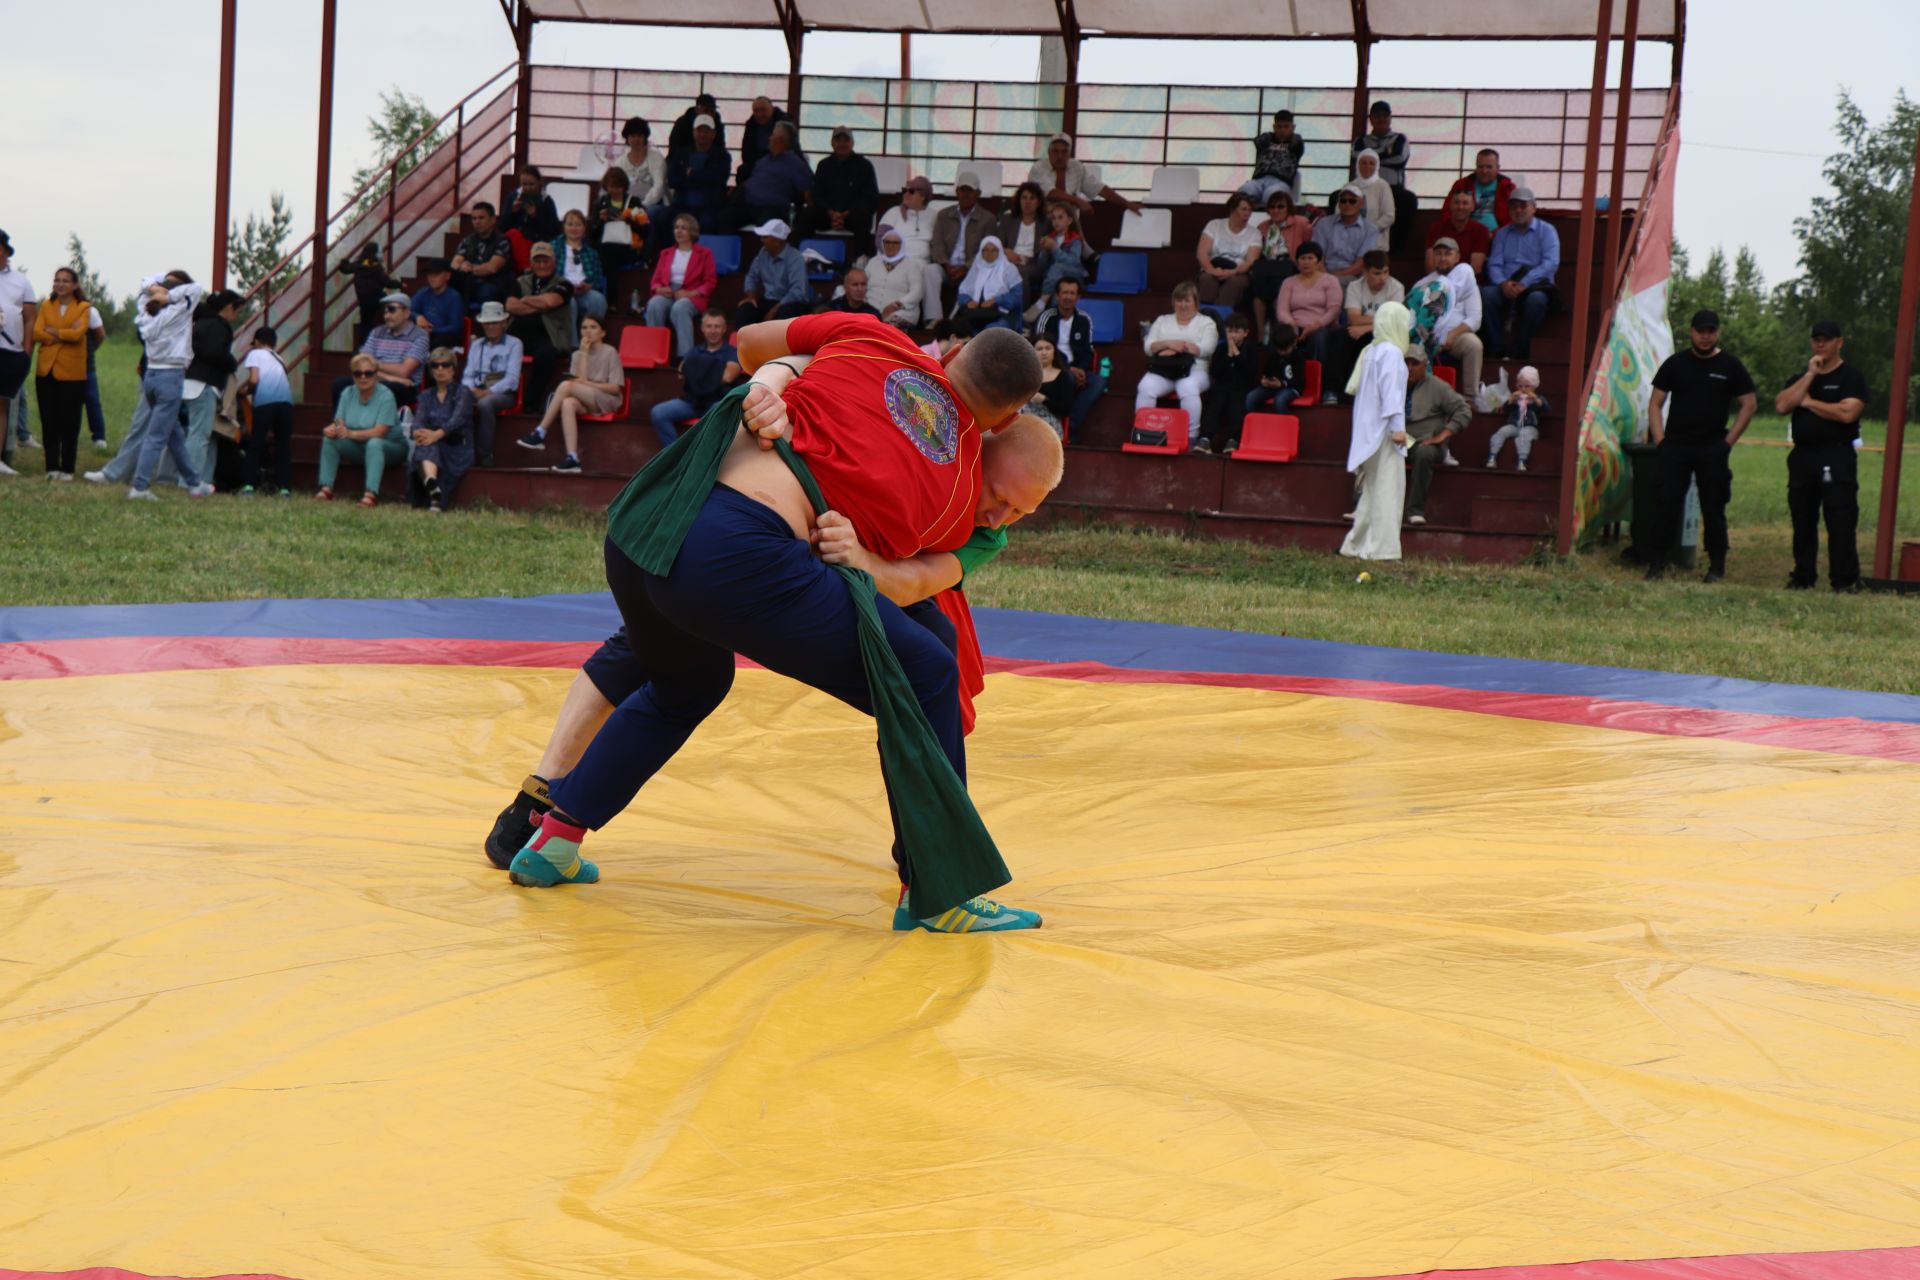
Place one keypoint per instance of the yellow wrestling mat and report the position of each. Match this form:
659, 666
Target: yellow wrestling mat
1328, 988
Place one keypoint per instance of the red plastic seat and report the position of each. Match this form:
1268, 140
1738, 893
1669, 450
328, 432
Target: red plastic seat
642, 347
1268, 437
1447, 374
1171, 421
1310, 383
626, 402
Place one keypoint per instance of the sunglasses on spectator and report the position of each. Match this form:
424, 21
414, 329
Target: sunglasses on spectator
363, 373
439, 364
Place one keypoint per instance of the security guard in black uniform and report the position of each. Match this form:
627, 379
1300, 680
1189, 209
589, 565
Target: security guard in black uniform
1695, 444
1823, 469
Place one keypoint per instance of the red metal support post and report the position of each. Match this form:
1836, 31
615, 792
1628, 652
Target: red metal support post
1363, 64
322, 179
796, 33
1070, 92
1622, 114
223, 157
523, 93
1583, 265
1902, 377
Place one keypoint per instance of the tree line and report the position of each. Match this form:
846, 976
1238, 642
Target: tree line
1852, 238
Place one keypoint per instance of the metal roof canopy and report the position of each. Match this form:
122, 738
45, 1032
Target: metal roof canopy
1350, 20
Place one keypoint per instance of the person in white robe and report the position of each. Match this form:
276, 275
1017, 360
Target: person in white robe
1376, 455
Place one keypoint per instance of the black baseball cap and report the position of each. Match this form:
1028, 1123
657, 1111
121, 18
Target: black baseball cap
5, 242
1706, 320
1826, 328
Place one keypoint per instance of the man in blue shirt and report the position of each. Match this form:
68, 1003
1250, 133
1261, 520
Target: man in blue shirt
1344, 236
1520, 272
776, 287
780, 180
438, 308
698, 174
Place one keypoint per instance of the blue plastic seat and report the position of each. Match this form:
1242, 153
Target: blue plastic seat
1121, 273
1108, 318
726, 253
833, 249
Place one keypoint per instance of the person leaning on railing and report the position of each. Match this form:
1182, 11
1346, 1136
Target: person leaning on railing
365, 431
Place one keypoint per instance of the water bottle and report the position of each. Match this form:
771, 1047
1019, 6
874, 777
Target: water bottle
406, 430
1106, 369
633, 303
1826, 475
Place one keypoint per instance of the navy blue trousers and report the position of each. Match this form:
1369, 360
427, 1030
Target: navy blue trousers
741, 584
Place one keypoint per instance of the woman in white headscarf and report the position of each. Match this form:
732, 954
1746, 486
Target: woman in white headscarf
893, 280
991, 294
1379, 391
1374, 190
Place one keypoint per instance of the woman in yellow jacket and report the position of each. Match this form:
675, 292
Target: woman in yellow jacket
60, 383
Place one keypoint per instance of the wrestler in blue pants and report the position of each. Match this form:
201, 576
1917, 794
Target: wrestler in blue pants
742, 584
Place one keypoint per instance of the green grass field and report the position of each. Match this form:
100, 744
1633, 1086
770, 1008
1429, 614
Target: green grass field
92, 546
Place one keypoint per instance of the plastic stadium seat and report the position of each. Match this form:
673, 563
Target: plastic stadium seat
1268, 437
1148, 229
1119, 272
726, 253
889, 175
573, 195
1175, 185
588, 168
1219, 311
626, 403
1172, 421
1108, 318
834, 251
1310, 383
645, 348
1448, 375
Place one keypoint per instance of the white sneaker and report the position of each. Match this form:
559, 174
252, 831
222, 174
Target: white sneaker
1348, 516
95, 477
1446, 457
201, 490
6, 470
28, 443
142, 495
1521, 467
1416, 519
63, 477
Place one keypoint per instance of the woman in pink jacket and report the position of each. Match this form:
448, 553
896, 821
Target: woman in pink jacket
683, 280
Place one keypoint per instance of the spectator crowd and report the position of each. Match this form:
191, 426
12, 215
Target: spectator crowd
1288, 303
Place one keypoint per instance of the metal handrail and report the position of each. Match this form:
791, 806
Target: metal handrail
387, 173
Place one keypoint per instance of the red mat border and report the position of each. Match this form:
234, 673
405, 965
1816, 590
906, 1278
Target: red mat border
123, 655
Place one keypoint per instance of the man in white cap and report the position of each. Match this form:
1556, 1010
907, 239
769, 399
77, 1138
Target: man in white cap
1345, 236
493, 373
1062, 177
1457, 331
698, 173
958, 230
776, 287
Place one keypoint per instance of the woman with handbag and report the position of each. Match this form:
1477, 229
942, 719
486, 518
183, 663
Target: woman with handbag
990, 295
1227, 251
1178, 349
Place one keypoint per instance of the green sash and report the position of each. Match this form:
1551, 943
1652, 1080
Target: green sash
950, 855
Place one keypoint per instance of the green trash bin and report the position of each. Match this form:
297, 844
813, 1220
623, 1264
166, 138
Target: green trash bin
1643, 528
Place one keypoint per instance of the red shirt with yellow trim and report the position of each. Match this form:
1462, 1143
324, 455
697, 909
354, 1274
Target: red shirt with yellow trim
891, 446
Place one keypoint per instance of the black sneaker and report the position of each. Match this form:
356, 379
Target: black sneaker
1232, 447
1715, 573
1799, 584
1202, 445
1848, 588
532, 440
569, 465
1655, 572
514, 827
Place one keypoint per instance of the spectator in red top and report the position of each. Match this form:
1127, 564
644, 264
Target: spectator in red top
893, 439
1489, 189
1474, 240
683, 280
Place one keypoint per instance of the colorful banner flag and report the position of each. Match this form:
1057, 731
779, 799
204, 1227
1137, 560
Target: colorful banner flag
1640, 339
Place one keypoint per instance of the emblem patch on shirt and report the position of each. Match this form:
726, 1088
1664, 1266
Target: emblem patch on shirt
924, 412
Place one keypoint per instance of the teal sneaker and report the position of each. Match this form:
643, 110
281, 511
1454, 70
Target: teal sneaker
552, 856
975, 915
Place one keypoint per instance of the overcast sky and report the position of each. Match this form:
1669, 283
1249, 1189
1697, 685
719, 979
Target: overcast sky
117, 144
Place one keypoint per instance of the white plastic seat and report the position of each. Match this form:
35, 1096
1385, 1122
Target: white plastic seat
889, 175
573, 195
1148, 229
1175, 185
589, 168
